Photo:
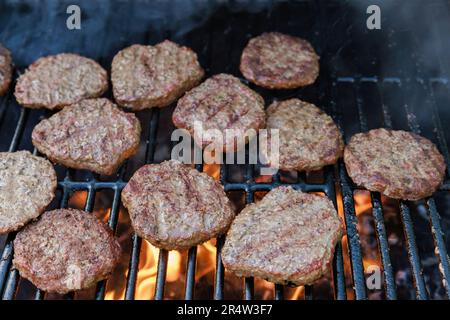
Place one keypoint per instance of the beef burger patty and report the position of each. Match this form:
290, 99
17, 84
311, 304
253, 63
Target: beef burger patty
54, 82
309, 138
288, 238
278, 61
66, 250
398, 164
93, 134
221, 102
176, 207
153, 76
27, 186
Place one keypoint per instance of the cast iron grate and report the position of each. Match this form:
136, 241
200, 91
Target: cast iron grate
356, 102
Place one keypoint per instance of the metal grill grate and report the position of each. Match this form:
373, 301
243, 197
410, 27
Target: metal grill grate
356, 102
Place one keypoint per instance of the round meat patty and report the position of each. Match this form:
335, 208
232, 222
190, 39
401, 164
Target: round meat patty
309, 138
153, 76
278, 61
288, 238
66, 250
221, 102
27, 186
398, 164
54, 82
93, 134
5, 69
176, 207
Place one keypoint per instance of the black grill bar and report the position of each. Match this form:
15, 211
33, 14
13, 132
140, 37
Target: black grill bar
161, 274
190, 274
112, 223
440, 243
338, 263
413, 252
220, 270
384, 246
279, 292
351, 222
133, 268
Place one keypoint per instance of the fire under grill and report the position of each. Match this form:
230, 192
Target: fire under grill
396, 77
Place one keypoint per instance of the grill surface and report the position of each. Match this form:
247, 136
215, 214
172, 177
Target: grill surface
396, 77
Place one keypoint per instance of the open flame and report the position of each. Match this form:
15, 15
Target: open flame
206, 255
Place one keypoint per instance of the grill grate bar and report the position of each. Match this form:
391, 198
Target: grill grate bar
338, 263
132, 268
112, 223
39, 295
351, 222
220, 270
438, 235
377, 211
161, 274
249, 288
413, 252
190, 273
308, 292
279, 292
11, 285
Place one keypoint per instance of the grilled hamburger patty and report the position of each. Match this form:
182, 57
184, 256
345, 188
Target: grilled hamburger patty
278, 61
65, 250
153, 76
309, 138
54, 82
399, 164
288, 238
221, 102
27, 186
5, 69
93, 134
176, 207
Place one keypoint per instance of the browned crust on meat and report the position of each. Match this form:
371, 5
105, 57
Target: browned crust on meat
93, 134
6, 67
277, 61
66, 250
287, 238
221, 102
27, 186
176, 207
54, 82
154, 76
309, 138
398, 164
